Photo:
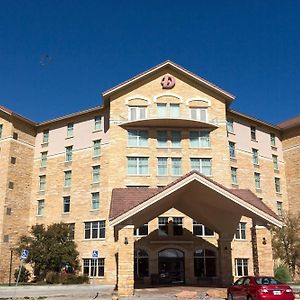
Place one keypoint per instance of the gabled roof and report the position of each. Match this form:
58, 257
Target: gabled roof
128, 201
171, 65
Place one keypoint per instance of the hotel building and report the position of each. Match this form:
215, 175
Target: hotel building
165, 180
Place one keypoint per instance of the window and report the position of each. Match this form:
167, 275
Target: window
257, 181
161, 110
141, 264
174, 110
273, 139
230, 126
234, 175
46, 136
241, 266
137, 113
199, 139
44, 159
70, 130
71, 228
93, 267
162, 166
66, 204
176, 166
15, 135
96, 174
137, 138
162, 139
42, 184
204, 263
95, 201
68, 178
241, 231
202, 165
142, 230
275, 162
98, 123
177, 226
199, 114
97, 148
137, 165
94, 230
10, 185
253, 133
69, 153
176, 139
165, 110
232, 150
162, 226
279, 208
277, 185
255, 156
1, 130
13, 160
40, 207
201, 230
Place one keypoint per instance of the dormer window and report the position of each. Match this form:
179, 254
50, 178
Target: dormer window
198, 113
137, 112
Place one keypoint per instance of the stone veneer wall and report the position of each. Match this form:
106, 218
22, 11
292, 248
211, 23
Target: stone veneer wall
291, 151
15, 201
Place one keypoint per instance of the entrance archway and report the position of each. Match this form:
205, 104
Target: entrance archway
171, 266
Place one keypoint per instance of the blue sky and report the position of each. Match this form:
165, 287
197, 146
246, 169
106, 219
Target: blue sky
56, 57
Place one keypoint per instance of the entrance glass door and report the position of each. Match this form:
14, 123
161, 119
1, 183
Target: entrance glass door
171, 266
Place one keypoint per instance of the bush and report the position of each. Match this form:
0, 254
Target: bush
52, 277
73, 279
282, 274
24, 276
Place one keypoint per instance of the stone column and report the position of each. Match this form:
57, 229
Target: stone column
254, 249
126, 261
225, 261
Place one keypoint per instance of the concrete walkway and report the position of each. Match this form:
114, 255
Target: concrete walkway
58, 292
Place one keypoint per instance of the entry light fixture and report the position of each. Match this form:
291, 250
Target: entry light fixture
126, 240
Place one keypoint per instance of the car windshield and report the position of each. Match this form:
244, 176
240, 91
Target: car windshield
266, 280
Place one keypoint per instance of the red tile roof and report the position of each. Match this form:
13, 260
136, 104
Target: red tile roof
124, 199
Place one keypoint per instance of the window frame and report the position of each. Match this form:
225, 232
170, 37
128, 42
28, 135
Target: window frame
198, 111
232, 150
255, 156
69, 153
233, 174
66, 204
96, 173
138, 166
44, 158
240, 234
97, 123
277, 182
138, 113
206, 231
42, 183
67, 178
99, 264
96, 148
253, 130
201, 137
70, 130
100, 230
244, 264
200, 161
95, 201
40, 210
137, 138
257, 180
45, 137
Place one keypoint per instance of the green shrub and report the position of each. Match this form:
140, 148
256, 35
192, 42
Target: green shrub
73, 279
24, 276
52, 277
282, 274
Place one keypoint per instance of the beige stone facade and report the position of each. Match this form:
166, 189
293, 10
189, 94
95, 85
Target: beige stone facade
146, 136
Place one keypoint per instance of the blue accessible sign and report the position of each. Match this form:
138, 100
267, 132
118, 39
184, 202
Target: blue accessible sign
24, 254
95, 254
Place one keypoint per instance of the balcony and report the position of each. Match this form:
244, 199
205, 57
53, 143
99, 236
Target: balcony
169, 122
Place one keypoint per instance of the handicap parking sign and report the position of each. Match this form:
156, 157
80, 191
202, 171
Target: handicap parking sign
24, 254
95, 254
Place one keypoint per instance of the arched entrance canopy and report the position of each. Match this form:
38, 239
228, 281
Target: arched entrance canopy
196, 196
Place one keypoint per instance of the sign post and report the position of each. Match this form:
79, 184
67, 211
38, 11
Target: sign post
95, 255
23, 257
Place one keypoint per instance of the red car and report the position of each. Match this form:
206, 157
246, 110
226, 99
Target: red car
259, 288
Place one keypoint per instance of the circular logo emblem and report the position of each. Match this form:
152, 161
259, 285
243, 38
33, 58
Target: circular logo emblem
168, 82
